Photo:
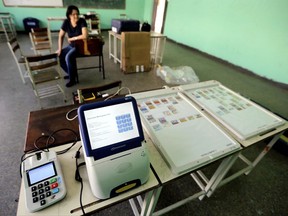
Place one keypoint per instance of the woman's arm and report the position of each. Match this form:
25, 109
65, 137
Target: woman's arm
83, 36
60, 41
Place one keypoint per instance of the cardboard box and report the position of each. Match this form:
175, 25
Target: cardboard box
135, 52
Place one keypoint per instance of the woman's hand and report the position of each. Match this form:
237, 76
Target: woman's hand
72, 39
58, 52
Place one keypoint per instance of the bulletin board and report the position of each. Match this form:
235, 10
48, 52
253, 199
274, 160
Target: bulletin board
185, 137
239, 115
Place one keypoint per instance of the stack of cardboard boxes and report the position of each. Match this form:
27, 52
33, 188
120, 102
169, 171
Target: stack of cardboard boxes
135, 52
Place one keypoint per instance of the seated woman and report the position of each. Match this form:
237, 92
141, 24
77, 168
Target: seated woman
76, 29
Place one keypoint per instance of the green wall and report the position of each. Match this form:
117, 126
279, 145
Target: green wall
250, 34
134, 10
148, 9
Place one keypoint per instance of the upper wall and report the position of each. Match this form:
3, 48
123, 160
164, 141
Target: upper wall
134, 10
250, 34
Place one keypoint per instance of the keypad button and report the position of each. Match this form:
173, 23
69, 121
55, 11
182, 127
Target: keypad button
54, 185
43, 202
59, 180
53, 180
46, 183
48, 194
55, 190
34, 194
34, 188
42, 196
40, 185
47, 188
41, 191
35, 199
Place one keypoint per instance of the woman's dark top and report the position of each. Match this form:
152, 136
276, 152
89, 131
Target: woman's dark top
73, 32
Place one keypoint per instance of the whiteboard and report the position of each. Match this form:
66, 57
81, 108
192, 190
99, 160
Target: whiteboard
241, 116
185, 137
34, 3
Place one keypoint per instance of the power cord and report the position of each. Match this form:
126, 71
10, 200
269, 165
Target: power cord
57, 131
78, 177
69, 112
50, 140
117, 92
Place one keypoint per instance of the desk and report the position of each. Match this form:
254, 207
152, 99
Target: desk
70, 204
115, 47
157, 47
47, 121
164, 174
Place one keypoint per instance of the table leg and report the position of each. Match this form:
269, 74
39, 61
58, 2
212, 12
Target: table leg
265, 151
220, 173
110, 48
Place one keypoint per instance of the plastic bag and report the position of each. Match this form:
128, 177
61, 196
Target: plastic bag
179, 75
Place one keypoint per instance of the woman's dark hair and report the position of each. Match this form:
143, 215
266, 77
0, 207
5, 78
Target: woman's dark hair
70, 8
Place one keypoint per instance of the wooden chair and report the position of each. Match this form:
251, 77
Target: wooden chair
44, 73
40, 40
91, 93
18, 57
92, 47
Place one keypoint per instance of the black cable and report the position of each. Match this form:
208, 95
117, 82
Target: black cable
51, 136
46, 149
23, 158
41, 137
78, 177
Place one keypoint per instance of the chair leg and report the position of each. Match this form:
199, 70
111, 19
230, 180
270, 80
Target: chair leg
21, 74
76, 77
103, 70
99, 63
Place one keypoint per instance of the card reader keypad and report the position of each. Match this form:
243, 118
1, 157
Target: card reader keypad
43, 190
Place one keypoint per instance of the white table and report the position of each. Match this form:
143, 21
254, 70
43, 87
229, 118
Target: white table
160, 170
70, 204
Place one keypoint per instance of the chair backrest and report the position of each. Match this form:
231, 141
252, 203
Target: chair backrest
91, 46
45, 75
15, 48
40, 39
38, 67
86, 94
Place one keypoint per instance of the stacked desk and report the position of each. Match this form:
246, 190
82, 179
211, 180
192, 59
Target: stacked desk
7, 26
159, 167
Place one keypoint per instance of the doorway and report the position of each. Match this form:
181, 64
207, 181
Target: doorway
159, 14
